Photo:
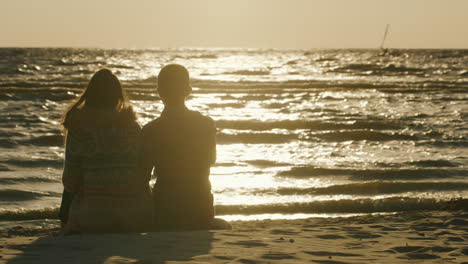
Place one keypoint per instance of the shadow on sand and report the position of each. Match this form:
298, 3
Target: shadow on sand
116, 248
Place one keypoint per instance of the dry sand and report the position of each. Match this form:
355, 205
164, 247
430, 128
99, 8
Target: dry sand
419, 237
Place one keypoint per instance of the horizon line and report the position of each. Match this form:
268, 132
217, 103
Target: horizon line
218, 48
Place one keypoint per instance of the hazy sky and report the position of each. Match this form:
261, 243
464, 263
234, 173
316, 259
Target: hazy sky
234, 23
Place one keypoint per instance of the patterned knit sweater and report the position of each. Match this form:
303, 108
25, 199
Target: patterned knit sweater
101, 169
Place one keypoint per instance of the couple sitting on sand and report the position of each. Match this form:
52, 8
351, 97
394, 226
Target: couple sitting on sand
109, 160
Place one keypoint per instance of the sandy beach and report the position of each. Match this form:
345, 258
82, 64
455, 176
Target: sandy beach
414, 237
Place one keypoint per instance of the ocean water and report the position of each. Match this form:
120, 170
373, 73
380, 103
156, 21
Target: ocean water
300, 132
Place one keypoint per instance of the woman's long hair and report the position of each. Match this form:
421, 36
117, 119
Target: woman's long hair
104, 91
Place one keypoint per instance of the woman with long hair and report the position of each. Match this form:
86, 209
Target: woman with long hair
100, 174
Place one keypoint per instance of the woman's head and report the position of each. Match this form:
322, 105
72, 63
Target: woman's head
104, 91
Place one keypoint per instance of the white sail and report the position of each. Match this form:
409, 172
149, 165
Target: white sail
385, 36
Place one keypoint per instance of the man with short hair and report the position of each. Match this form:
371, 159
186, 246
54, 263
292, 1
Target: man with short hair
181, 146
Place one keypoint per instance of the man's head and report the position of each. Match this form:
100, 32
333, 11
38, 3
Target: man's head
173, 82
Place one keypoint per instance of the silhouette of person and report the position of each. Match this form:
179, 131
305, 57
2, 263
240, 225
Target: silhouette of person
181, 146
103, 190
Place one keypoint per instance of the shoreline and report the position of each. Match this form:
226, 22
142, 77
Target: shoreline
409, 237
321, 209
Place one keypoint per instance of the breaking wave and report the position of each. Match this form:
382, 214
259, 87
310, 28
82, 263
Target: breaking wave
394, 204
304, 124
248, 72
21, 195
33, 163
374, 188
375, 174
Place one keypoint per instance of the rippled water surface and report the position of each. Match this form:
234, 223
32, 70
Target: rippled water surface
300, 132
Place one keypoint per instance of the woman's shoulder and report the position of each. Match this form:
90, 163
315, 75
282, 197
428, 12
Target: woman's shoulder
75, 119
90, 119
128, 116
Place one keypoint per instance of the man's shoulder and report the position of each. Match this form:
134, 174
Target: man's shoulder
196, 118
203, 122
202, 118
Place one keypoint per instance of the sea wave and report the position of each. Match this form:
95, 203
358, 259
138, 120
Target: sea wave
18, 118
266, 163
335, 136
44, 140
34, 163
394, 204
306, 85
359, 135
42, 84
47, 140
255, 138
33, 93
432, 163
423, 163
373, 188
72, 62
390, 174
443, 143
120, 66
8, 143
197, 56
304, 124
22, 195
379, 69
4, 168
28, 180
29, 214
4, 133
217, 86
262, 133
248, 72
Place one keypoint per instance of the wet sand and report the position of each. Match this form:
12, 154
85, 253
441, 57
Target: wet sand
415, 237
